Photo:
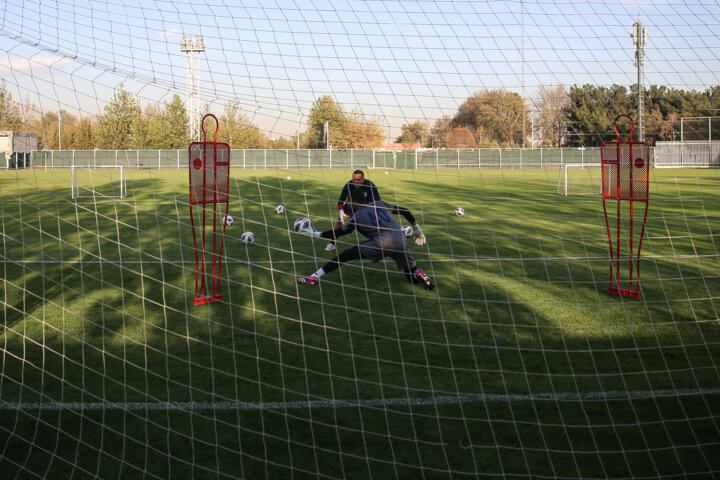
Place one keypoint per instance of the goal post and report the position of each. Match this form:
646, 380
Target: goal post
580, 179
98, 181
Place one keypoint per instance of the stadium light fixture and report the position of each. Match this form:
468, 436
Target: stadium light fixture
639, 36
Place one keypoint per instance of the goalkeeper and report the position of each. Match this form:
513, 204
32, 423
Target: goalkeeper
385, 239
369, 194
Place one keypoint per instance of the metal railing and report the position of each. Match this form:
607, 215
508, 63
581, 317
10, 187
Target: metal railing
687, 154
484, 158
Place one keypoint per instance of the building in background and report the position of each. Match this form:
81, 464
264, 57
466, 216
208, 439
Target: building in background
15, 148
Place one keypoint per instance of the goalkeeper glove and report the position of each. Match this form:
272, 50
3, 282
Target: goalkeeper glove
418, 235
311, 232
341, 216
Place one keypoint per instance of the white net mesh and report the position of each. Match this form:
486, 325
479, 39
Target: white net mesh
519, 364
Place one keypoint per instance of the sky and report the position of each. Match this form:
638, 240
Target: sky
397, 61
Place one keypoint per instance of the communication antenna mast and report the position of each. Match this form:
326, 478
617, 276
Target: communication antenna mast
193, 45
639, 36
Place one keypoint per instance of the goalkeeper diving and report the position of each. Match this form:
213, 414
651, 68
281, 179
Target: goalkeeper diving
375, 221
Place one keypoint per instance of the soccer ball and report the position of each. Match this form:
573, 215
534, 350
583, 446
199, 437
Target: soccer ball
302, 224
279, 209
459, 211
407, 230
248, 238
228, 220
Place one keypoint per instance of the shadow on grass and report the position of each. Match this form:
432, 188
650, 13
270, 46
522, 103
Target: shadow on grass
98, 307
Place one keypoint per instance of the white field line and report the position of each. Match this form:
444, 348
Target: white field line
313, 260
374, 402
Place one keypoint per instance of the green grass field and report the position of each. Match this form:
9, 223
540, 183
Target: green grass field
520, 364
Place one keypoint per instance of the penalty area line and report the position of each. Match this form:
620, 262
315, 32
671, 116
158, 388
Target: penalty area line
374, 402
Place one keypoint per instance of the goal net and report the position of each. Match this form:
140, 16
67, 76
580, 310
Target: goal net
580, 179
98, 182
519, 364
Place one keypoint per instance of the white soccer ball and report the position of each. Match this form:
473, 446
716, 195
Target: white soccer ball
228, 220
302, 224
279, 209
248, 238
459, 211
288, 177
407, 230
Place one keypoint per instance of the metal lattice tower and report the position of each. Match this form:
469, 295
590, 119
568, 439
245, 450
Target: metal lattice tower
193, 45
639, 36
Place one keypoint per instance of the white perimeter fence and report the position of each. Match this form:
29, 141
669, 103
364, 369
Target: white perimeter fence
664, 154
687, 154
494, 158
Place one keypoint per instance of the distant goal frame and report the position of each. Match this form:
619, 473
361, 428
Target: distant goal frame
563, 180
75, 187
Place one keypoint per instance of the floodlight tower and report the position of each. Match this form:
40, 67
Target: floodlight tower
639, 36
192, 45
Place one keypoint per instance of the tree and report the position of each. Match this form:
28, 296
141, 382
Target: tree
148, 128
351, 130
416, 132
10, 118
47, 129
439, 134
551, 123
77, 133
121, 126
167, 128
325, 109
83, 137
359, 132
237, 129
461, 137
494, 117
175, 120
283, 143
591, 112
